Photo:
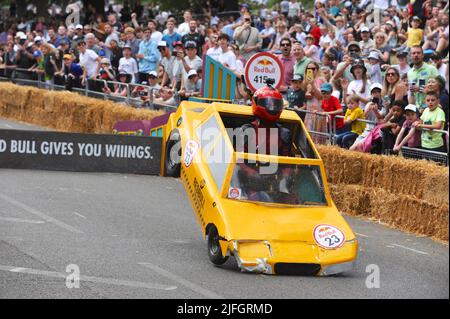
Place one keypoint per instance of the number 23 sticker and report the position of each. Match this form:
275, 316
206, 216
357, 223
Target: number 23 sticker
328, 237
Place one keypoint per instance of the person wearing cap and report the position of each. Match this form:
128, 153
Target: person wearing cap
366, 44
311, 50
167, 62
129, 65
70, 73
23, 57
374, 67
408, 136
332, 106
414, 35
189, 62
153, 81
375, 111
148, 55
119, 89
359, 86
192, 87
402, 66
171, 36
295, 95
106, 72
79, 35
339, 26
343, 68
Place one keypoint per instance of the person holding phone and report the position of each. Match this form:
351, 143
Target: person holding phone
418, 76
247, 38
314, 122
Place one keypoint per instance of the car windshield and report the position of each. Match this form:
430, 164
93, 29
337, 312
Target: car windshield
275, 183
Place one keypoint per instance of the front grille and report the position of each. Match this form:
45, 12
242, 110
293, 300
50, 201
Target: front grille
292, 269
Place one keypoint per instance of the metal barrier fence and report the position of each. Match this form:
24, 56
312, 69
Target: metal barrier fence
37, 80
407, 152
318, 136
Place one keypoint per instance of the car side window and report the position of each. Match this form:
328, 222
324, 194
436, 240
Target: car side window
216, 152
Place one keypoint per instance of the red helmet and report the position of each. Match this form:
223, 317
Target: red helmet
267, 104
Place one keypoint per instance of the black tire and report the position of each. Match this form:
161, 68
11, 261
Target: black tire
172, 161
214, 250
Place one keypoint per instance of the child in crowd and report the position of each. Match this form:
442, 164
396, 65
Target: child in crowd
374, 112
295, 95
354, 113
392, 127
433, 117
408, 135
128, 64
332, 106
415, 33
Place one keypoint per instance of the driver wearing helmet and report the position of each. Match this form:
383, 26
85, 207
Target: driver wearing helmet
264, 135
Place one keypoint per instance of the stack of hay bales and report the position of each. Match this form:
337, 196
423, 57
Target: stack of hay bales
406, 194
65, 111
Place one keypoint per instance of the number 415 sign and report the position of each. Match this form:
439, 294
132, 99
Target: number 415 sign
260, 67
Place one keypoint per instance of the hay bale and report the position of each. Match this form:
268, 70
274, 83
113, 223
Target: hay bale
421, 179
65, 111
399, 211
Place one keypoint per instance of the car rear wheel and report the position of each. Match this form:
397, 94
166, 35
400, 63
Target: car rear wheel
172, 158
214, 250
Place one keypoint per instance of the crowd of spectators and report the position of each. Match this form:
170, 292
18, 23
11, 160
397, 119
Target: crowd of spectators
383, 61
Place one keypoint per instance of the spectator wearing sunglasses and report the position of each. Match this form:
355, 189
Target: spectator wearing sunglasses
288, 62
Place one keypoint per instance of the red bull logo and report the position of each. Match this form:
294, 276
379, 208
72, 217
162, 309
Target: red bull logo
264, 66
265, 62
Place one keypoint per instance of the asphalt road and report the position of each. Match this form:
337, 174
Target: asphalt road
135, 236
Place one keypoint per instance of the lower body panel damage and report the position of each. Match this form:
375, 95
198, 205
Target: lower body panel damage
293, 258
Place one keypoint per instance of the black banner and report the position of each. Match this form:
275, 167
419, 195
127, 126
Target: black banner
80, 152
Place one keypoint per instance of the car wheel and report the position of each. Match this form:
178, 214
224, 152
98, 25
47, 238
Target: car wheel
172, 158
214, 250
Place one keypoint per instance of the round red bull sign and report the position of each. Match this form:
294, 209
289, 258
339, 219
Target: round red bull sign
263, 66
328, 237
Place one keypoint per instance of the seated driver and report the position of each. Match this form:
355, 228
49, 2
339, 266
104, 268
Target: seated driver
264, 135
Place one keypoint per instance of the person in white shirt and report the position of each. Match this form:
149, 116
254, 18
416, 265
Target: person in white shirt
311, 50
89, 61
215, 51
184, 27
227, 58
191, 61
156, 35
128, 64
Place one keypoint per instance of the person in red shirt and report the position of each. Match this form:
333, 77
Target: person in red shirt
332, 106
314, 30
